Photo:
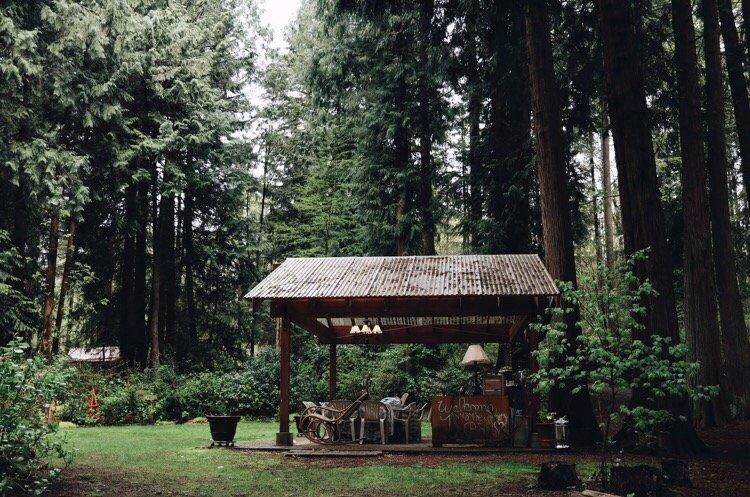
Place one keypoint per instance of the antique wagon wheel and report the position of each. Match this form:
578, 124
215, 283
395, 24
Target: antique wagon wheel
320, 431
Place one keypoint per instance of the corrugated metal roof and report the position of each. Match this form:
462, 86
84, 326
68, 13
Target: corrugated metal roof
413, 276
97, 354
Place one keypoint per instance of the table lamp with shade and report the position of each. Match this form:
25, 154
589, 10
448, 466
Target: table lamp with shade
475, 358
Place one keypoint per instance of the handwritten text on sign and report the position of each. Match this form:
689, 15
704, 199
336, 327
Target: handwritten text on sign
481, 420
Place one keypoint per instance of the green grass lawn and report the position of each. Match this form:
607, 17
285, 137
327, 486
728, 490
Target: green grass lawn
173, 460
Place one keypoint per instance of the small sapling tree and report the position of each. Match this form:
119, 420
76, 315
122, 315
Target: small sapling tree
609, 358
28, 445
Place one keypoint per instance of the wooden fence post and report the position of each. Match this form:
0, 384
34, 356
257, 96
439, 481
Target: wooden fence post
284, 436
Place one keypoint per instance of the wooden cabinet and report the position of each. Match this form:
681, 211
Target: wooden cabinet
494, 385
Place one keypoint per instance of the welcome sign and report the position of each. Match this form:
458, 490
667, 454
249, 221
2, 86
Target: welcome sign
476, 420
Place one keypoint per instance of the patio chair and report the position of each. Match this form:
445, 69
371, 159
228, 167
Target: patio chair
423, 412
402, 415
410, 415
327, 428
374, 412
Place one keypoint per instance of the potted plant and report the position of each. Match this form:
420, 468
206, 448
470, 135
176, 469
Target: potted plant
545, 429
222, 421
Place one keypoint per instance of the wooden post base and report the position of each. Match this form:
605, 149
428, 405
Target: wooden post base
284, 439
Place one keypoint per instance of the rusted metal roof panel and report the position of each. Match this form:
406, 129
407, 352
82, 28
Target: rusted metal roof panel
413, 276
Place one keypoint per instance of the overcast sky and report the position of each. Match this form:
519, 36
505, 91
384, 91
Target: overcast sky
277, 14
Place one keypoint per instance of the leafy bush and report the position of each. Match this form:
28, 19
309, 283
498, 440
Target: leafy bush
27, 442
252, 389
73, 402
609, 355
19, 312
129, 405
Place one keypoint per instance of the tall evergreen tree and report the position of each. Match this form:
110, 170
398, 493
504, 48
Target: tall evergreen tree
734, 338
558, 240
701, 320
736, 65
642, 215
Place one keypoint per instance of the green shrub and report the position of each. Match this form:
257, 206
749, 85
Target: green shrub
609, 356
252, 389
27, 442
73, 402
129, 405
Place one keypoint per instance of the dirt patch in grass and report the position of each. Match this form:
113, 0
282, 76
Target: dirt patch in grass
86, 480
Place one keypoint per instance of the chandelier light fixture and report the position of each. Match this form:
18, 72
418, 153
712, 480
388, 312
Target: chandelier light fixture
365, 329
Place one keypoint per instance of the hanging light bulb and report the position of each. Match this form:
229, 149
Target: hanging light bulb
376, 330
366, 329
354, 330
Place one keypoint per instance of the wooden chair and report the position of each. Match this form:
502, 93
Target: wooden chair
374, 412
306, 406
335, 406
323, 424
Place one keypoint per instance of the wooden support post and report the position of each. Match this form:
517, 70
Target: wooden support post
332, 371
284, 436
534, 405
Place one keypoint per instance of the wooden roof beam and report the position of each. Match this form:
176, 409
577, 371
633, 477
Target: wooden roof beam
518, 325
312, 325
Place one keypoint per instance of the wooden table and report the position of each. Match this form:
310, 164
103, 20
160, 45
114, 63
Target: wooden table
470, 419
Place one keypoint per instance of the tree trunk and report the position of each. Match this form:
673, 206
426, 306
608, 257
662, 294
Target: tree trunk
167, 255
156, 265
509, 132
127, 285
517, 110
642, 218
735, 342
734, 54
608, 195
49, 285
595, 213
746, 24
65, 283
140, 334
401, 163
701, 321
498, 135
474, 104
426, 173
558, 239
263, 193
189, 272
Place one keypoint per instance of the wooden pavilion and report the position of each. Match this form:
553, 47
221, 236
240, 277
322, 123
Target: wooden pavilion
416, 299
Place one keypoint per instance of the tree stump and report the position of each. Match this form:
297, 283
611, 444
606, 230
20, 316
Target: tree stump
558, 475
676, 472
641, 480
